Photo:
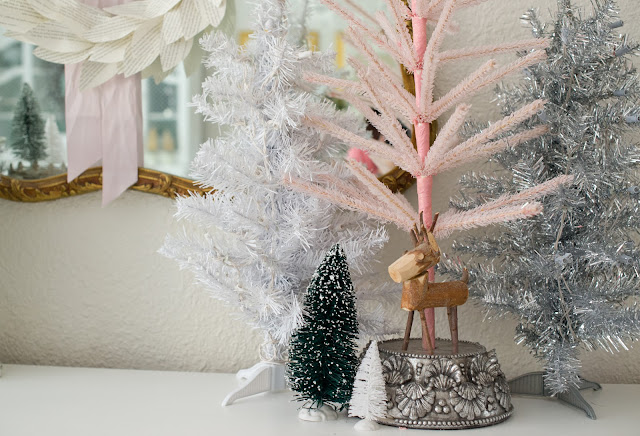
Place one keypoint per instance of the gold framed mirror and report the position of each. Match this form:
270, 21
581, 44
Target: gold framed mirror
171, 131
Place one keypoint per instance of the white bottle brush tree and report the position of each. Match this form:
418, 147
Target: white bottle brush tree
369, 396
56, 148
381, 88
253, 242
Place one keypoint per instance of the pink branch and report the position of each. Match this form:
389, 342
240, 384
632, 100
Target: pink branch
332, 82
461, 155
383, 68
400, 14
428, 9
464, 90
504, 125
509, 47
348, 201
389, 126
530, 194
430, 57
361, 11
449, 100
375, 147
367, 30
451, 221
403, 153
447, 135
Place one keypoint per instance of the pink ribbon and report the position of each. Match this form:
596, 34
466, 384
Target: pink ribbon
104, 123
363, 157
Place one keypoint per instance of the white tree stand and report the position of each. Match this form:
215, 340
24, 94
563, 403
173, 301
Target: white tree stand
261, 377
324, 413
366, 425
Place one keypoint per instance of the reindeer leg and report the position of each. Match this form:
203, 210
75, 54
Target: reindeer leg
426, 338
407, 331
452, 314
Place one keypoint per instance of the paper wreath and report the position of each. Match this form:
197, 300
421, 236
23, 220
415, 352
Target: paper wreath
148, 36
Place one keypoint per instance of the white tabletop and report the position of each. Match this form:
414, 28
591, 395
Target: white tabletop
51, 401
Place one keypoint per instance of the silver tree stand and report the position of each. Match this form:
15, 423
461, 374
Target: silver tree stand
443, 390
533, 384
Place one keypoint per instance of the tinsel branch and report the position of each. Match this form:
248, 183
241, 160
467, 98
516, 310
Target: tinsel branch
570, 277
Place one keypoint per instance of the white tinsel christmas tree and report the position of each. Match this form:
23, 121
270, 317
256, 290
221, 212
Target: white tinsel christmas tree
253, 242
369, 396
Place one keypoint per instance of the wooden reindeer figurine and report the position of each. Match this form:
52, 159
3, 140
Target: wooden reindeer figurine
412, 269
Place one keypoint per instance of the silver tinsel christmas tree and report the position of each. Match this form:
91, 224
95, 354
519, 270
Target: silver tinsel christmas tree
570, 275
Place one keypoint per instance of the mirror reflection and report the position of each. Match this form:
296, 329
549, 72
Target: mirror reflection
34, 147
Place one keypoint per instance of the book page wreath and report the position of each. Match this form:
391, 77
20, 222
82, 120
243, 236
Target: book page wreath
147, 36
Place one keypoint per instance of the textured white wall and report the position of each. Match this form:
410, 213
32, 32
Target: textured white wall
81, 285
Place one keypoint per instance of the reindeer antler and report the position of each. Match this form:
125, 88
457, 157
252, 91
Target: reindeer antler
420, 236
434, 221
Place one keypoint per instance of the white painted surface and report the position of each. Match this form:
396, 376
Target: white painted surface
84, 286
101, 402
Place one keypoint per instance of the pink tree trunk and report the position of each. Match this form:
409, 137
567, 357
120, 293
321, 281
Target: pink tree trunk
422, 141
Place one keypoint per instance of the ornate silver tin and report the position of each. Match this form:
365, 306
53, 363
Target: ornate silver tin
443, 390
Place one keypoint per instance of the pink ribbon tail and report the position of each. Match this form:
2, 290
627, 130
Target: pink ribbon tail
104, 123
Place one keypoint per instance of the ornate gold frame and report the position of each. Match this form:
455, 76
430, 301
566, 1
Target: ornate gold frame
55, 187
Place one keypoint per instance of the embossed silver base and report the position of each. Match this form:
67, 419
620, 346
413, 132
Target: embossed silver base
443, 390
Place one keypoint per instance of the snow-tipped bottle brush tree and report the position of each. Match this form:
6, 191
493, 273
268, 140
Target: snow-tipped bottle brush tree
27, 129
322, 356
